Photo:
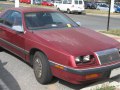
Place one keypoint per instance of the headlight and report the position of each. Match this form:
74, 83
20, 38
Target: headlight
83, 59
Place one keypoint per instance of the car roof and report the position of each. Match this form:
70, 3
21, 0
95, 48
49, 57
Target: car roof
31, 9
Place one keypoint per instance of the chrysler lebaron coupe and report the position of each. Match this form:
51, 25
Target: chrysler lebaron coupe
57, 46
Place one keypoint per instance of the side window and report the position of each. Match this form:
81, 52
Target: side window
17, 18
69, 1
14, 18
76, 1
1, 20
80, 2
65, 2
4, 16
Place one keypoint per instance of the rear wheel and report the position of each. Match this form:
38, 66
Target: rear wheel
41, 68
68, 11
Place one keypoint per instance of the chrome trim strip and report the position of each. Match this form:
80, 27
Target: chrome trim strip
106, 52
12, 45
99, 69
98, 58
13, 53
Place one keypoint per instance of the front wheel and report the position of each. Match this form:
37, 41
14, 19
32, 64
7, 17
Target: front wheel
41, 68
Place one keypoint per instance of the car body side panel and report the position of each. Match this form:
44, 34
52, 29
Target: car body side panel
52, 53
12, 41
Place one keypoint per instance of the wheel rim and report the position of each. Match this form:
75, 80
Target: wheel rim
38, 67
58, 9
68, 11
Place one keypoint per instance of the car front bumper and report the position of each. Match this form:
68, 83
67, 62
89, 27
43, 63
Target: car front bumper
77, 76
77, 11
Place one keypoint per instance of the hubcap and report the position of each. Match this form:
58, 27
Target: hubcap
68, 11
38, 67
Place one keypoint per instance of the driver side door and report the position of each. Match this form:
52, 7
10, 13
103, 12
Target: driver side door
9, 38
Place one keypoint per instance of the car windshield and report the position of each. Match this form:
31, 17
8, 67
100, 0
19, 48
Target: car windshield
47, 20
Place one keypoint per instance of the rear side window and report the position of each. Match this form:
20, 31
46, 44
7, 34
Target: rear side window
6, 14
65, 2
11, 18
69, 2
78, 1
1, 20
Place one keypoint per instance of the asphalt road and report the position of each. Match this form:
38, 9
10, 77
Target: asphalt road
89, 21
96, 22
17, 75
6, 6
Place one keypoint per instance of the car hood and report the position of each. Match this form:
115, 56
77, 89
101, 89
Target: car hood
77, 41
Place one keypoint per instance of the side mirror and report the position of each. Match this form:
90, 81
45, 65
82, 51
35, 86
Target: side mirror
79, 23
18, 28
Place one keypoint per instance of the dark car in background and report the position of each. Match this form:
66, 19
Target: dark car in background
90, 5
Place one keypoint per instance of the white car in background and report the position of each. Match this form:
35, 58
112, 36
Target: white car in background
56, 3
103, 7
12, 0
71, 6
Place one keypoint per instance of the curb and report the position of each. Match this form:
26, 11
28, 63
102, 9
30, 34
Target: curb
113, 36
104, 15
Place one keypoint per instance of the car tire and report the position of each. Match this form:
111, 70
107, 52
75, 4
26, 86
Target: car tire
41, 68
1, 49
58, 9
68, 11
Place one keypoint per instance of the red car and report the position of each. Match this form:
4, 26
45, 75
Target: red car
46, 3
56, 46
25, 1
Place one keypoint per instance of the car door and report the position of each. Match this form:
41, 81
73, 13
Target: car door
11, 40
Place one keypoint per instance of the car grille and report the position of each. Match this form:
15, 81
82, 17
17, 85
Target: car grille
108, 56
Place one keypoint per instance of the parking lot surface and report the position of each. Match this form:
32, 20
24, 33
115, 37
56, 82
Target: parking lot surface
15, 74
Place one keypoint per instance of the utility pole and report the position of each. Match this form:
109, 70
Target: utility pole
31, 1
111, 10
17, 3
112, 6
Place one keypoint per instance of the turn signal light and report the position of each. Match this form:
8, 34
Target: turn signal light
92, 76
60, 67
